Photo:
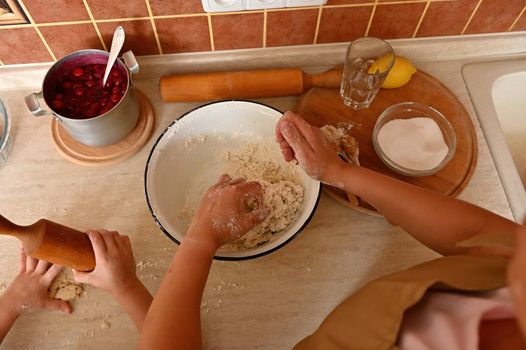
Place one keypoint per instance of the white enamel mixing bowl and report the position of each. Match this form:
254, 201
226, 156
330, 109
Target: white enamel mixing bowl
173, 166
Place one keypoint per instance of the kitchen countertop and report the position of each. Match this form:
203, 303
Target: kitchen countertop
270, 302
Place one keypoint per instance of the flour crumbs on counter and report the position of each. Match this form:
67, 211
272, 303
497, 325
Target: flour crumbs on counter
105, 325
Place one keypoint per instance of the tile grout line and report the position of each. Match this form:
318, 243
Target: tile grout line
265, 28
471, 17
39, 33
154, 26
369, 24
50, 24
517, 19
211, 32
128, 19
421, 19
318, 21
92, 19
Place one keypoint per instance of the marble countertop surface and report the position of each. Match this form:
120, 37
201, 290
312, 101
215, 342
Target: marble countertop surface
270, 302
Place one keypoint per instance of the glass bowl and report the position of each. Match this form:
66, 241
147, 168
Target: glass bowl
5, 138
408, 110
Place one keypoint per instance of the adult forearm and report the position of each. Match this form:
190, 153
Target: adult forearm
173, 321
437, 221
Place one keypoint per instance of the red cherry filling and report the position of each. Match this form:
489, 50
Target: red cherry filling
80, 95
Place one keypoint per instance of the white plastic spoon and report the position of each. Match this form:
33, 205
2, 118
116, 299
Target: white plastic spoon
116, 46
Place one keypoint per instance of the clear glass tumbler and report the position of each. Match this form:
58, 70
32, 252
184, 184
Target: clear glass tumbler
359, 86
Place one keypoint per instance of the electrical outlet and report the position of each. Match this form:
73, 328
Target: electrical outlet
242, 5
264, 4
223, 5
305, 3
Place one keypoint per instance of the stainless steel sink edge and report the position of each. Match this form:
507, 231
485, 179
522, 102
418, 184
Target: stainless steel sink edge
480, 91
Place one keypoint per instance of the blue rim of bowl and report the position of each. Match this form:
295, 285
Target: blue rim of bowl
167, 233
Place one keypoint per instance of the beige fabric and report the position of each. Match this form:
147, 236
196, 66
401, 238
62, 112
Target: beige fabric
371, 318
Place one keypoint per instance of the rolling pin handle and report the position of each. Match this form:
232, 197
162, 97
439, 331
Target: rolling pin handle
330, 79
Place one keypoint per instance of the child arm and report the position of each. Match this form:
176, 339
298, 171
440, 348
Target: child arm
115, 272
173, 321
28, 292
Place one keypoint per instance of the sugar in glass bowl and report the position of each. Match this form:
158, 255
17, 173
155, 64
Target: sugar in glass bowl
419, 140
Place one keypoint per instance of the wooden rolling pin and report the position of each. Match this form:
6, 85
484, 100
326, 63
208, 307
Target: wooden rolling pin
53, 242
247, 84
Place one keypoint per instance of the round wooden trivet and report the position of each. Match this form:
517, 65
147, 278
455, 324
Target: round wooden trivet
321, 106
79, 153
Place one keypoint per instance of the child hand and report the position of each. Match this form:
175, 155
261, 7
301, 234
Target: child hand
228, 210
115, 264
304, 142
29, 290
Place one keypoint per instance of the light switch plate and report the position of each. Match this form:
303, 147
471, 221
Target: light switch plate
305, 3
247, 5
264, 4
223, 5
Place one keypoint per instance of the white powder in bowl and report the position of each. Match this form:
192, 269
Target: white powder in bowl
415, 143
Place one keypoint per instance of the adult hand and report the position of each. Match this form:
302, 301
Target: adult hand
228, 210
29, 290
304, 142
115, 270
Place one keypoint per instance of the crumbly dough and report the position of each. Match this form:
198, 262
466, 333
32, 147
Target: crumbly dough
346, 146
284, 198
342, 142
281, 193
65, 288
262, 162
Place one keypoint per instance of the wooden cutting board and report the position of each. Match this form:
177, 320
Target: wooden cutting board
321, 106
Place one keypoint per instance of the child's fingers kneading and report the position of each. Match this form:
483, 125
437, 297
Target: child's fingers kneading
57, 304
51, 273
42, 266
81, 277
99, 247
22, 261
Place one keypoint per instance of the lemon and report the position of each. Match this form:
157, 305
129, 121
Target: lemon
400, 73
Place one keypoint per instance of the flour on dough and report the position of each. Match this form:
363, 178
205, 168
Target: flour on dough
284, 198
281, 192
64, 287
262, 162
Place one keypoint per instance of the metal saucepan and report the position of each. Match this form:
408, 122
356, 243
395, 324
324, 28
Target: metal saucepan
102, 130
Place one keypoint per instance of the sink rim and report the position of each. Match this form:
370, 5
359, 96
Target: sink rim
479, 79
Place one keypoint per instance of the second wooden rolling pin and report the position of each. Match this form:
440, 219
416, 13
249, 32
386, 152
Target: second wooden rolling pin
245, 84
53, 242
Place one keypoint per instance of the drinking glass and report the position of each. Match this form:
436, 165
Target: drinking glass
359, 86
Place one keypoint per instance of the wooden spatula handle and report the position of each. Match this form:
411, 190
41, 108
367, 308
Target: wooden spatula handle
53, 242
245, 84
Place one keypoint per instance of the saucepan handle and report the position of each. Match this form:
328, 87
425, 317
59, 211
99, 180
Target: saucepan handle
34, 106
131, 62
